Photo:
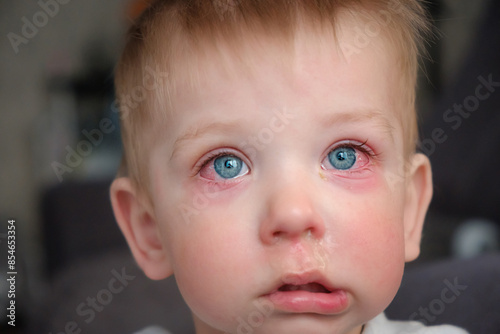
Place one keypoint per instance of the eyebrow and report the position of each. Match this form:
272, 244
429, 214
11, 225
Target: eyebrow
356, 116
199, 131
374, 116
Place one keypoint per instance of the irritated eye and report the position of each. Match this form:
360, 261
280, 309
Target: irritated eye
342, 158
347, 158
223, 166
228, 166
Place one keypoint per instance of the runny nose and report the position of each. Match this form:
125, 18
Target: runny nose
290, 215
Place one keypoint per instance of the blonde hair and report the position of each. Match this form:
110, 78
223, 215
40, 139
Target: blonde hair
171, 31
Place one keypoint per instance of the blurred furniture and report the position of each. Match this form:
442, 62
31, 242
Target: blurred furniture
78, 223
465, 293
465, 163
122, 299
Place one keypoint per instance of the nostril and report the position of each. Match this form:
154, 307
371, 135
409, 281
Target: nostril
308, 233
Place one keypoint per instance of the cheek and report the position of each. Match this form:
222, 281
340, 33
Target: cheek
212, 264
372, 246
372, 217
376, 237
381, 247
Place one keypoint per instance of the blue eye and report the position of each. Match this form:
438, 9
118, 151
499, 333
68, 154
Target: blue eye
342, 158
228, 166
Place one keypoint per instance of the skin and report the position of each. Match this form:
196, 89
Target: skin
290, 217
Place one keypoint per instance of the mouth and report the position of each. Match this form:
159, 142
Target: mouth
308, 294
309, 287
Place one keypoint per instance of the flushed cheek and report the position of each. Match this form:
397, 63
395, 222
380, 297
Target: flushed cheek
358, 182
369, 182
367, 230
379, 258
379, 228
212, 264
381, 249
203, 194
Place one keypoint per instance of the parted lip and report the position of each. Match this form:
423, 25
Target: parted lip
311, 281
307, 293
313, 287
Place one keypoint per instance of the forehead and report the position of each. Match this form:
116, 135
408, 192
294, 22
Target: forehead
312, 73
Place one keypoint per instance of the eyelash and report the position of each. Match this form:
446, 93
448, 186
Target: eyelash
361, 147
209, 158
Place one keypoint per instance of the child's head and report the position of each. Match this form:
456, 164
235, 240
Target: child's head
270, 158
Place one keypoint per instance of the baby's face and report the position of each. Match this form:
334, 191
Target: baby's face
279, 196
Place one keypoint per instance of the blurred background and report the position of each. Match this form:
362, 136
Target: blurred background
60, 148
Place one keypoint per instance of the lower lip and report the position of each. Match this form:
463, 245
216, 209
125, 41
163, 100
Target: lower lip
298, 301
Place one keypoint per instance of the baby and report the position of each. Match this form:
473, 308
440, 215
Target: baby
270, 162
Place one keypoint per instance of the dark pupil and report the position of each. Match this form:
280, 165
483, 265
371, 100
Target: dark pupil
230, 164
342, 156
228, 167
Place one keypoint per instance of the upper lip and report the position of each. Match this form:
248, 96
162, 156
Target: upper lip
311, 280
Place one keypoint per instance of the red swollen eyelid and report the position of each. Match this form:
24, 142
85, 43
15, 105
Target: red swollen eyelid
364, 156
208, 172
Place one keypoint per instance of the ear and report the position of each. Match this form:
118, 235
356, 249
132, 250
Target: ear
137, 223
418, 197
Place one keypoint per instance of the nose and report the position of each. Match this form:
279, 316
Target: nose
291, 214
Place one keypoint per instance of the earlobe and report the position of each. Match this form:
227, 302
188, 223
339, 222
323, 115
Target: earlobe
138, 225
418, 197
